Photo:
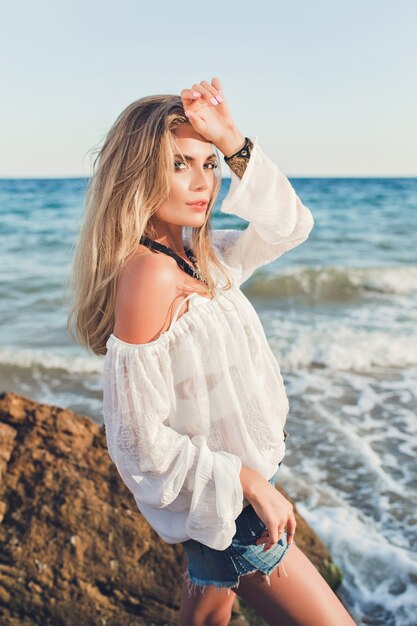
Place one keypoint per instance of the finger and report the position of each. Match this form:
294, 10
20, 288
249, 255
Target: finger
206, 94
279, 533
291, 525
273, 537
198, 124
212, 90
262, 538
190, 94
217, 84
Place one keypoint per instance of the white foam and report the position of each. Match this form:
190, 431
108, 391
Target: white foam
395, 280
49, 360
399, 280
339, 344
376, 571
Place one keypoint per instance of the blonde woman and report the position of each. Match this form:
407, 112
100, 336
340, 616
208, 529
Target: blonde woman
194, 401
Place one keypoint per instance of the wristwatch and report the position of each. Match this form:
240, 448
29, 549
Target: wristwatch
238, 161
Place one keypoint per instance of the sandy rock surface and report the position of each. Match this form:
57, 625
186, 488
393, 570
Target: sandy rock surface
74, 549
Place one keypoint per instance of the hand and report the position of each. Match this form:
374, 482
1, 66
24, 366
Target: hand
275, 511
208, 113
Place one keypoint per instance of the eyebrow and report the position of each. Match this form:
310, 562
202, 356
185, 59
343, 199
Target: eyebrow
187, 157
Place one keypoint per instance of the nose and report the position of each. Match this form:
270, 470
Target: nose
200, 179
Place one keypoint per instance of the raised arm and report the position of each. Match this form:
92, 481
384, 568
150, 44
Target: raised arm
261, 194
278, 220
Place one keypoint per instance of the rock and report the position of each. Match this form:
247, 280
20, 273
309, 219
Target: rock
74, 550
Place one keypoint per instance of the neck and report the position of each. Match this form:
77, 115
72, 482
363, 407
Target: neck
170, 235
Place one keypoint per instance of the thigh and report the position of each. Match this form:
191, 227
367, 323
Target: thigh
206, 606
300, 598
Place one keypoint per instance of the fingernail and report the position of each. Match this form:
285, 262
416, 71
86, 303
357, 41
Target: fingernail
219, 98
196, 93
214, 101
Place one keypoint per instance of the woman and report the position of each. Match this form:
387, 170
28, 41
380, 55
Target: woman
194, 401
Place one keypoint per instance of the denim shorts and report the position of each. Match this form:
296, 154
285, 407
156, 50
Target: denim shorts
223, 568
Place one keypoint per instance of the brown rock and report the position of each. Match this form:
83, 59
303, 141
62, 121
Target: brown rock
74, 549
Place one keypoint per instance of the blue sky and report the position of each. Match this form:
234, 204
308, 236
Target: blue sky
328, 87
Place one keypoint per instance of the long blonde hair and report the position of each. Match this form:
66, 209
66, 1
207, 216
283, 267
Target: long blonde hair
130, 180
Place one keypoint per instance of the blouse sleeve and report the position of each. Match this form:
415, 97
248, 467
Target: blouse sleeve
161, 467
278, 220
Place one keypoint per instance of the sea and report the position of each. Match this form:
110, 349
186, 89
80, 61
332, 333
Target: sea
340, 314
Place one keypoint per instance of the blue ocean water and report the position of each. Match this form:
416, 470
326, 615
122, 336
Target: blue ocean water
340, 313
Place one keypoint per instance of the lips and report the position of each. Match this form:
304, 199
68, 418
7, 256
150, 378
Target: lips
198, 203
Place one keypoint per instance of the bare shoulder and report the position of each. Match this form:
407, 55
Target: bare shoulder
148, 290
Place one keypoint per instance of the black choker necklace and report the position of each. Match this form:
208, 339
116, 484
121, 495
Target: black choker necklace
194, 271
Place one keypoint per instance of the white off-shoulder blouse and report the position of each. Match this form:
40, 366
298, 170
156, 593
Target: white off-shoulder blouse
184, 412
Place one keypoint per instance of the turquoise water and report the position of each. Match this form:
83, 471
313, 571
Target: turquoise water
340, 313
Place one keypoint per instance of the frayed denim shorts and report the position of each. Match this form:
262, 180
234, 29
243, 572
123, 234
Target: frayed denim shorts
223, 568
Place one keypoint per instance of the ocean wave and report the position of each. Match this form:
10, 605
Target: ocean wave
338, 347
334, 282
48, 360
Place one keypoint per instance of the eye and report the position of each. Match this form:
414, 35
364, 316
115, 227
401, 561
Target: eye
177, 165
211, 165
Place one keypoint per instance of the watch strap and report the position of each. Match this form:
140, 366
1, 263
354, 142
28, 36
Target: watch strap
238, 161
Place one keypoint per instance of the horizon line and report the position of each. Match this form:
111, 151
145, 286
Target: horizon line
336, 176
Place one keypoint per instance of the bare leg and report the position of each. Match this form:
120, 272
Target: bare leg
303, 598
209, 607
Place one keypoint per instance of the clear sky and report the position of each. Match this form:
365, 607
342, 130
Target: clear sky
329, 88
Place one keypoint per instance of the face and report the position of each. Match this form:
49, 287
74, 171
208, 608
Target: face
192, 179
